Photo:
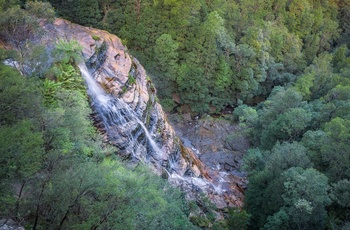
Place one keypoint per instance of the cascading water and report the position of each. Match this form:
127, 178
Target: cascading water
119, 119
125, 129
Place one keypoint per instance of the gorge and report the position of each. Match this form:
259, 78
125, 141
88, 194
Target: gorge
156, 114
127, 111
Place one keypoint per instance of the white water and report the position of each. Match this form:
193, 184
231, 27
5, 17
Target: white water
117, 116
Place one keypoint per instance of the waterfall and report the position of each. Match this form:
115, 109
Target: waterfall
119, 119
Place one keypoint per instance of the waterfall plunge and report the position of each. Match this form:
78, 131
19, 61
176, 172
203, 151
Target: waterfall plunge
118, 118
117, 115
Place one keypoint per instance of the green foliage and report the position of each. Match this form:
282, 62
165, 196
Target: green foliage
108, 195
18, 26
6, 4
344, 20
287, 127
68, 51
254, 161
166, 51
238, 219
304, 84
334, 150
49, 92
21, 158
168, 104
286, 155
306, 197
238, 50
21, 149
95, 37
64, 74
322, 68
84, 12
20, 29
54, 170
321, 127
265, 169
68, 77
131, 80
192, 90
42, 10
19, 98
340, 193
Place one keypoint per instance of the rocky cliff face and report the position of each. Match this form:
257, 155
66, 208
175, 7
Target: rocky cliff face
123, 78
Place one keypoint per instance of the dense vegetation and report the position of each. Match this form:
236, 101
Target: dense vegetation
293, 54
56, 173
218, 53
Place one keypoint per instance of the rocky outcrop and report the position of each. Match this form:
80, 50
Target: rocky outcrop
139, 119
220, 145
217, 142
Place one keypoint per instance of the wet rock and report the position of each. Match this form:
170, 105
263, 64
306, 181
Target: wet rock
220, 146
236, 142
221, 160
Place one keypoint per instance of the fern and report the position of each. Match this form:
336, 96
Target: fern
68, 51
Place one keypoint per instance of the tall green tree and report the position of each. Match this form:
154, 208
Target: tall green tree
167, 59
305, 200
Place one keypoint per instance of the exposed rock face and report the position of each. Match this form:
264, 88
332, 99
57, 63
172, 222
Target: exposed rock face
141, 119
220, 145
9, 224
217, 142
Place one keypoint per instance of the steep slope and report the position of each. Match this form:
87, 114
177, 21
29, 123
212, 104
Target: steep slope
135, 122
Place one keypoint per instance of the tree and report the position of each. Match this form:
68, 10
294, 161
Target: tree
344, 22
86, 13
21, 157
248, 118
106, 6
192, 90
6, 4
20, 28
19, 98
266, 183
306, 197
286, 47
41, 10
238, 219
334, 149
339, 97
319, 75
286, 155
341, 59
288, 126
166, 56
340, 193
